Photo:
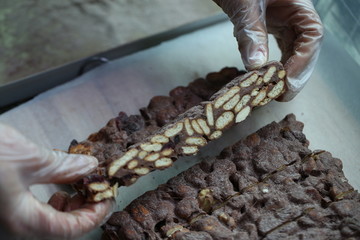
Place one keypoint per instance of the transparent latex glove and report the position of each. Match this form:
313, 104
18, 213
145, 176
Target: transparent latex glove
22, 163
296, 26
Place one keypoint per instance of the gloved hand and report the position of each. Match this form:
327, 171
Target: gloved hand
22, 163
296, 26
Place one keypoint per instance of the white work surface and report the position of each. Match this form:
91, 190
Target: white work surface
328, 105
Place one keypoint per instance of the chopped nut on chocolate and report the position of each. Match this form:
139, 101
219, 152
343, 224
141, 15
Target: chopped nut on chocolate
196, 126
206, 199
197, 141
277, 89
204, 127
190, 150
171, 132
132, 164
243, 114
281, 74
260, 80
167, 152
142, 154
98, 197
261, 95
151, 147
159, 139
209, 114
173, 230
225, 218
270, 72
226, 97
244, 100
141, 171
117, 164
98, 186
232, 102
188, 127
249, 81
152, 157
224, 120
163, 162
215, 135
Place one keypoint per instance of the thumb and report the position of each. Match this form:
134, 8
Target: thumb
61, 168
248, 17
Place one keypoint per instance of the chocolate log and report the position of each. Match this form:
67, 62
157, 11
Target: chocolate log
157, 148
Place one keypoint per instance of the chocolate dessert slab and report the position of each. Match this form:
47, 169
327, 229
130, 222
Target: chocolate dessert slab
269, 185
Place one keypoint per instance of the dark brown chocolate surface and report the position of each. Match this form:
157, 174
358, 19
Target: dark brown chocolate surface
267, 186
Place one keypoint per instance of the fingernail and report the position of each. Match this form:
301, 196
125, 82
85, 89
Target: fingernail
257, 59
88, 163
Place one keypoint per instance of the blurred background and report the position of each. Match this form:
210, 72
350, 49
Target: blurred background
341, 19
37, 35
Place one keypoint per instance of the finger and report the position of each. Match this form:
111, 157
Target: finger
299, 27
248, 17
60, 167
40, 165
43, 220
15, 148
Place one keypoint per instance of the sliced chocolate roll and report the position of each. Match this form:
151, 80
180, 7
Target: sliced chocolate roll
176, 126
